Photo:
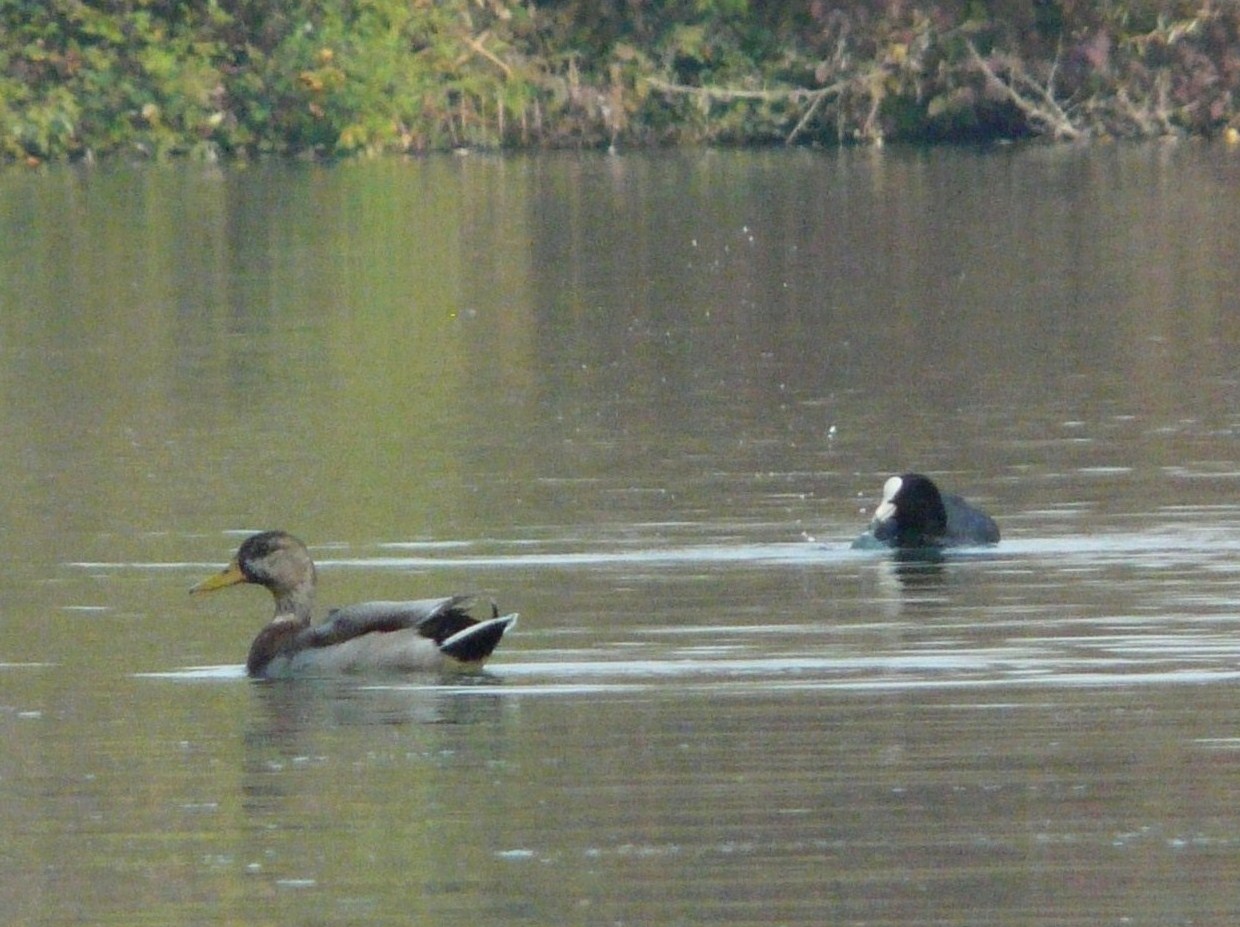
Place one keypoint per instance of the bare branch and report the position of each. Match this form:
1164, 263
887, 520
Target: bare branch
476, 44
1041, 109
815, 97
726, 95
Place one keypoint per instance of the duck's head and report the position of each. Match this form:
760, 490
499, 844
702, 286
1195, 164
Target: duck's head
911, 512
273, 559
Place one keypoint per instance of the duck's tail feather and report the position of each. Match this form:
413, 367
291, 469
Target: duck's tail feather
476, 642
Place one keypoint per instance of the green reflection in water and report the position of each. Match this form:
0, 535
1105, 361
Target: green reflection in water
293, 343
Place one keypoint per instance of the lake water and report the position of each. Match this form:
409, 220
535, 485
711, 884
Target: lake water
646, 401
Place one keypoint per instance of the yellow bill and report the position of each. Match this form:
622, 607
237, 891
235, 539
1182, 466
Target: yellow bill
229, 576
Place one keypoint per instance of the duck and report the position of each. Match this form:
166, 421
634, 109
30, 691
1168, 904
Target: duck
422, 636
913, 514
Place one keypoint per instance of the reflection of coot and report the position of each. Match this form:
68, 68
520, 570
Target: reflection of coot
914, 515
918, 570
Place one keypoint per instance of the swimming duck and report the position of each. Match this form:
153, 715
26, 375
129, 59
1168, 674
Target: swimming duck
426, 635
914, 514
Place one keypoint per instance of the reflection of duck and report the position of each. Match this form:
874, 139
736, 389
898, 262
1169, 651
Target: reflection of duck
913, 514
427, 635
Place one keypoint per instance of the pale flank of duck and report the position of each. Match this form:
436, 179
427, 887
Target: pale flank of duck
406, 651
423, 635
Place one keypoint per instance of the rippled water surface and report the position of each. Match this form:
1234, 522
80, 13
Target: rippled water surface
647, 402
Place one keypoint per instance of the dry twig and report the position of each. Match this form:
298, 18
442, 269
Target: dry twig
815, 98
1035, 100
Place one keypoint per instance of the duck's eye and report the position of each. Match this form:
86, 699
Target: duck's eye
254, 571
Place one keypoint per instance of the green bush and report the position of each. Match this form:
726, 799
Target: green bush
334, 78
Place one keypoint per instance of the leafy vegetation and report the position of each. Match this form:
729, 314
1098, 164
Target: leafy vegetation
332, 78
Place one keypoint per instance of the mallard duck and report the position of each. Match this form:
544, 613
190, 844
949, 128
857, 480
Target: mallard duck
914, 514
426, 635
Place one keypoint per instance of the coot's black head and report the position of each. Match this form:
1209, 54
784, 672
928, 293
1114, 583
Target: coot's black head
911, 512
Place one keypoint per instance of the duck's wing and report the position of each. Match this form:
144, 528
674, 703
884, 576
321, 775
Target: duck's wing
474, 643
435, 619
426, 635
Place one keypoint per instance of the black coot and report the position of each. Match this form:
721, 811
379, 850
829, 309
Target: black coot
914, 514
